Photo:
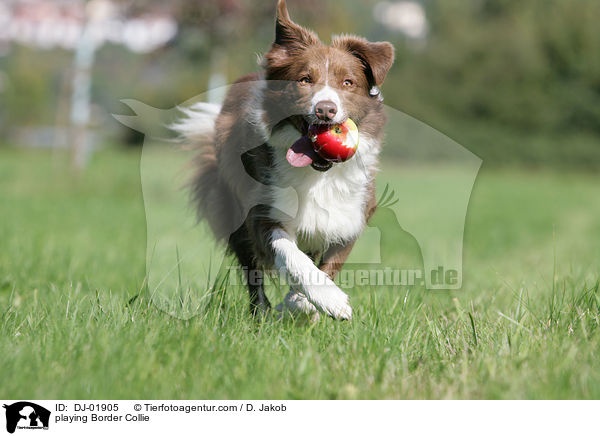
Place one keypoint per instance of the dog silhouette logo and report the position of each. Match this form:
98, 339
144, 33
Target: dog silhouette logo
26, 415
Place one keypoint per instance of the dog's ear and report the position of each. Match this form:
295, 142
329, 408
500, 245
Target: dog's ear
377, 57
289, 34
290, 39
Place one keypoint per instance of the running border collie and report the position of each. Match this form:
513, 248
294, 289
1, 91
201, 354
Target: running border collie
261, 128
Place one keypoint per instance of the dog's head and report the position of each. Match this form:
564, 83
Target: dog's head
325, 84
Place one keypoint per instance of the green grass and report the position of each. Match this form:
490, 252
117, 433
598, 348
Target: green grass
72, 255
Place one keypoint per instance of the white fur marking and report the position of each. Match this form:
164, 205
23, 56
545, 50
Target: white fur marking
313, 283
330, 205
327, 93
295, 304
199, 121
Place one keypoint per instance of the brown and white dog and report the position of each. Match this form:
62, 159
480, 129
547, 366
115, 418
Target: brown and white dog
260, 132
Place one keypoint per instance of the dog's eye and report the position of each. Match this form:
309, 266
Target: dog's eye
348, 83
305, 80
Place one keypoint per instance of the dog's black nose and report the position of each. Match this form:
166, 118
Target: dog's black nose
325, 110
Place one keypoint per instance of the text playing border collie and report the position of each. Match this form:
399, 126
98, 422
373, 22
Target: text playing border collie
263, 122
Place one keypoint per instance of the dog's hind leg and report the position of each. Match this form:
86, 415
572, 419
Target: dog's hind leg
259, 303
240, 245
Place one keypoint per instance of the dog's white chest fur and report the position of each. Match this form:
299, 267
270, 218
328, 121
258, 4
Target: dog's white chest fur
331, 204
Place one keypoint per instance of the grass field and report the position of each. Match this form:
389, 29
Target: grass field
72, 255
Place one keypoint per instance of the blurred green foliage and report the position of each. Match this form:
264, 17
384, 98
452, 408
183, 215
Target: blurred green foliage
513, 81
31, 87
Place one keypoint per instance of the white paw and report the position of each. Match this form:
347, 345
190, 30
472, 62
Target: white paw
330, 300
297, 305
295, 301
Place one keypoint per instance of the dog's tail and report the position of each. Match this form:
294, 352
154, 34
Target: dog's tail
209, 193
198, 123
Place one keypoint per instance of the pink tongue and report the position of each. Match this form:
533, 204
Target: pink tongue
301, 153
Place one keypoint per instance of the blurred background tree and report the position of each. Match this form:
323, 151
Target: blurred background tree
513, 81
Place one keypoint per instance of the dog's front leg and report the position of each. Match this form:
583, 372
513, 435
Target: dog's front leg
306, 278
